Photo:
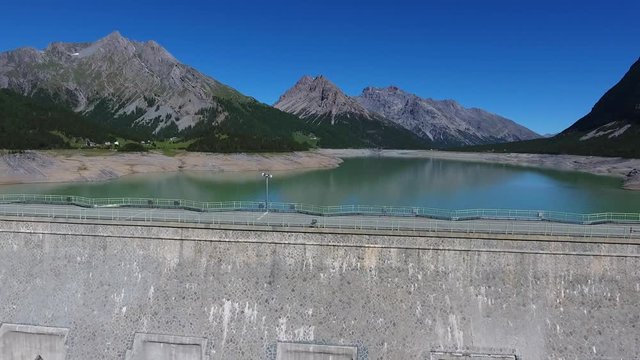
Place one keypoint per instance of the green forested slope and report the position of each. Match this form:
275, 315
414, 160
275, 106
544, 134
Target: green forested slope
37, 123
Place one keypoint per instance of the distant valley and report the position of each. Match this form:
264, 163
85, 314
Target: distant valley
440, 124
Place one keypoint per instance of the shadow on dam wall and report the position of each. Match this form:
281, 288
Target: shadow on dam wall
99, 291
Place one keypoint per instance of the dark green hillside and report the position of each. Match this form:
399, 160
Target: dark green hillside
104, 112
612, 128
626, 145
250, 127
358, 132
38, 123
621, 103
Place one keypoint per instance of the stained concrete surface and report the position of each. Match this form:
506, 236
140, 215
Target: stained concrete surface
391, 297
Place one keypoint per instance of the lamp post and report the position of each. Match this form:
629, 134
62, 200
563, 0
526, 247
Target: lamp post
267, 176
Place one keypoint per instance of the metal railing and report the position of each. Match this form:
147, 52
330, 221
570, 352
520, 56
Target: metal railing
341, 210
356, 217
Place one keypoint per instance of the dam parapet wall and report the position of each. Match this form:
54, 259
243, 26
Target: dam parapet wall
108, 291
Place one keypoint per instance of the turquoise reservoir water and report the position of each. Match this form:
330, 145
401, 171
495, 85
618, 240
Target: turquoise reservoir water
378, 181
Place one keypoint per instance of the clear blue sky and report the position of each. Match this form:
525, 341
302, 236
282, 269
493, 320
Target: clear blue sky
542, 63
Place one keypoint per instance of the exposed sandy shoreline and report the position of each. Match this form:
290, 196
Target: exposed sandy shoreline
74, 166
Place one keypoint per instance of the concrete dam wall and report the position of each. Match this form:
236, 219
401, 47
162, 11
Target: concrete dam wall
106, 291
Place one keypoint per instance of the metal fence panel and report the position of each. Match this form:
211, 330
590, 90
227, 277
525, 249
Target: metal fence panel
533, 222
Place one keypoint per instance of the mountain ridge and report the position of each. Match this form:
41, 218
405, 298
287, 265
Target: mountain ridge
445, 122
438, 123
132, 77
328, 109
139, 91
316, 97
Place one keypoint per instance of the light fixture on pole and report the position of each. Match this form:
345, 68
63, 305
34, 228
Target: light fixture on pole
267, 176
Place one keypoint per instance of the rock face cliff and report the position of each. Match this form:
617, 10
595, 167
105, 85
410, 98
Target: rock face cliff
445, 122
438, 123
316, 98
139, 82
343, 121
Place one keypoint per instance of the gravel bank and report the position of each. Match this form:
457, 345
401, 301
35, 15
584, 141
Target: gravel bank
74, 166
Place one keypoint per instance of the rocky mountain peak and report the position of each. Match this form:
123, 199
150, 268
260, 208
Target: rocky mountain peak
306, 79
122, 78
392, 90
318, 83
451, 104
114, 37
316, 97
154, 52
114, 42
23, 54
444, 122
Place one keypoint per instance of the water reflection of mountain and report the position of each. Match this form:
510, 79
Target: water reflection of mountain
392, 181
456, 185
377, 181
